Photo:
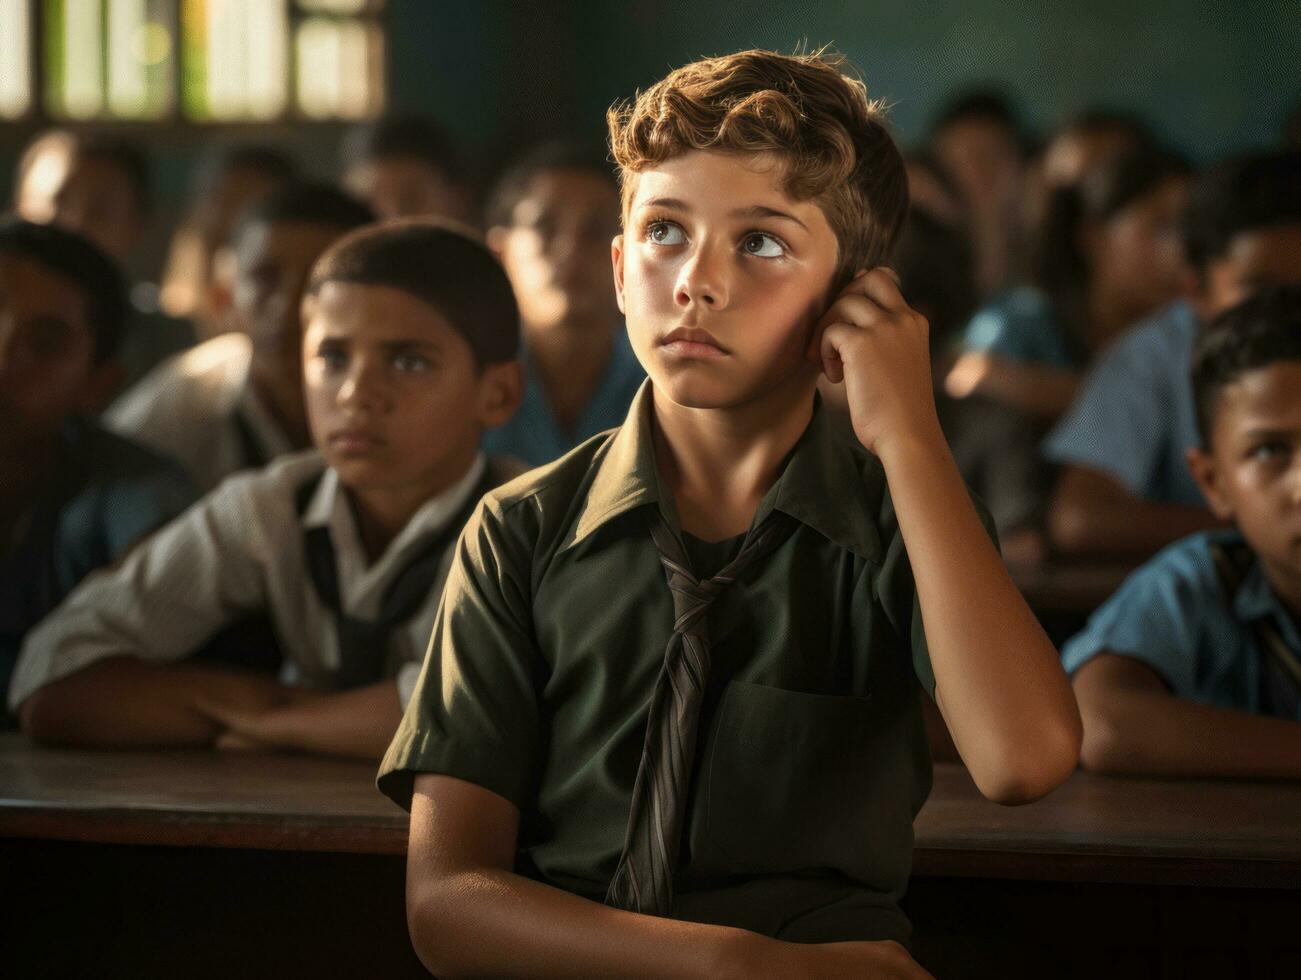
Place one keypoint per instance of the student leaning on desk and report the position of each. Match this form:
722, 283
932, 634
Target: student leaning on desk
410, 339
1194, 666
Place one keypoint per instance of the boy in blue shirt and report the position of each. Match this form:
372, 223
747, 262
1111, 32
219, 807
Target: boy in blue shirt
670, 720
73, 497
550, 220
1193, 667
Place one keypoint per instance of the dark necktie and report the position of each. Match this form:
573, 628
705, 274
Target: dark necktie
643, 878
363, 643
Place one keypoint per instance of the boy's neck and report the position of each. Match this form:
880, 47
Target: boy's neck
1286, 585
570, 360
719, 463
381, 513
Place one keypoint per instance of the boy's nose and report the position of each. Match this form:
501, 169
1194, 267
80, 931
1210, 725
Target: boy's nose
363, 389
703, 280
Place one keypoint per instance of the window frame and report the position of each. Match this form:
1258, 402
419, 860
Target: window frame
375, 15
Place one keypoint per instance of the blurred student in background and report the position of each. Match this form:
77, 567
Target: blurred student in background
236, 401
1107, 254
196, 282
1125, 488
978, 141
551, 219
99, 187
73, 497
405, 166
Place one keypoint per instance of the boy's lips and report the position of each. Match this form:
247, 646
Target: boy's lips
354, 442
692, 342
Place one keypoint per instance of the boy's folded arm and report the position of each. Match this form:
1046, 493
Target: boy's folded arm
1033, 388
1092, 512
1134, 725
357, 724
470, 914
123, 702
998, 680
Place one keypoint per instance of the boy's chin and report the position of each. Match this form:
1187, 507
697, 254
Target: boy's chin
697, 391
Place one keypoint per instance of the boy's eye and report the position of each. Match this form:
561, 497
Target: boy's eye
664, 233
410, 362
333, 358
1269, 451
48, 337
762, 245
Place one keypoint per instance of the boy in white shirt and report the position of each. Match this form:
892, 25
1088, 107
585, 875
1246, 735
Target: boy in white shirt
410, 338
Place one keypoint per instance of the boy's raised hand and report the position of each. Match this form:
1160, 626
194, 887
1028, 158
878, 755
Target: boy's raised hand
874, 343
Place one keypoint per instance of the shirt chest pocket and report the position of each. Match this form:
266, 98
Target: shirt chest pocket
788, 783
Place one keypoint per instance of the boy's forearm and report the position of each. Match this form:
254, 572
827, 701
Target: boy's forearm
1093, 514
124, 702
356, 724
488, 922
999, 682
1138, 732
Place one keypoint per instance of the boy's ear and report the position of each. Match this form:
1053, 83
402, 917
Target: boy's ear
616, 259
501, 389
1206, 472
102, 383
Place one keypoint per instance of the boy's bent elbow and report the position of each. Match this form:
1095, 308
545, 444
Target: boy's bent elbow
437, 936
1025, 776
1105, 749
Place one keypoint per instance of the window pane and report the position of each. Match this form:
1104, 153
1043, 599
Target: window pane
74, 57
339, 68
15, 59
140, 58
338, 6
235, 58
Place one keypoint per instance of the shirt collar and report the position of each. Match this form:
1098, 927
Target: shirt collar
1255, 599
359, 580
809, 488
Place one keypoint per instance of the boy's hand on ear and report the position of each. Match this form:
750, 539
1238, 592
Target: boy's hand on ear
879, 348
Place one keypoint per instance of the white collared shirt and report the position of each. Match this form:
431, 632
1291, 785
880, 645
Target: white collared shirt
236, 553
189, 408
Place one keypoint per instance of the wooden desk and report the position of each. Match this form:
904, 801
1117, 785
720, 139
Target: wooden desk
311, 833
1093, 829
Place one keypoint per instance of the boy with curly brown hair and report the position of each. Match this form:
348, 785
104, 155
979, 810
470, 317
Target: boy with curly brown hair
587, 801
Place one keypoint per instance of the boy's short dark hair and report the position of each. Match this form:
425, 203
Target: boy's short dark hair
439, 263
1242, 195
306, 204
256, 158
513, 185
1261, 331
85, 267
987, 105
402, 136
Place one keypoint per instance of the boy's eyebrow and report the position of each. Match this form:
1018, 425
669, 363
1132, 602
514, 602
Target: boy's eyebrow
759, 211
407, 344
755, 211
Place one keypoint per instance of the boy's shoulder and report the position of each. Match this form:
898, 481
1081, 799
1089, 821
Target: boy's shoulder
549, 490
1188, 571
196, 385
1162, 341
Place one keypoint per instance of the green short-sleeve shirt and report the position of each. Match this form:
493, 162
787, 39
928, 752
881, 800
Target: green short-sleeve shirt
812, 758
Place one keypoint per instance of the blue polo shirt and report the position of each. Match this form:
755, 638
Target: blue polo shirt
534, 435
103, 494
1020, 325
1134, 418
1171, 615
